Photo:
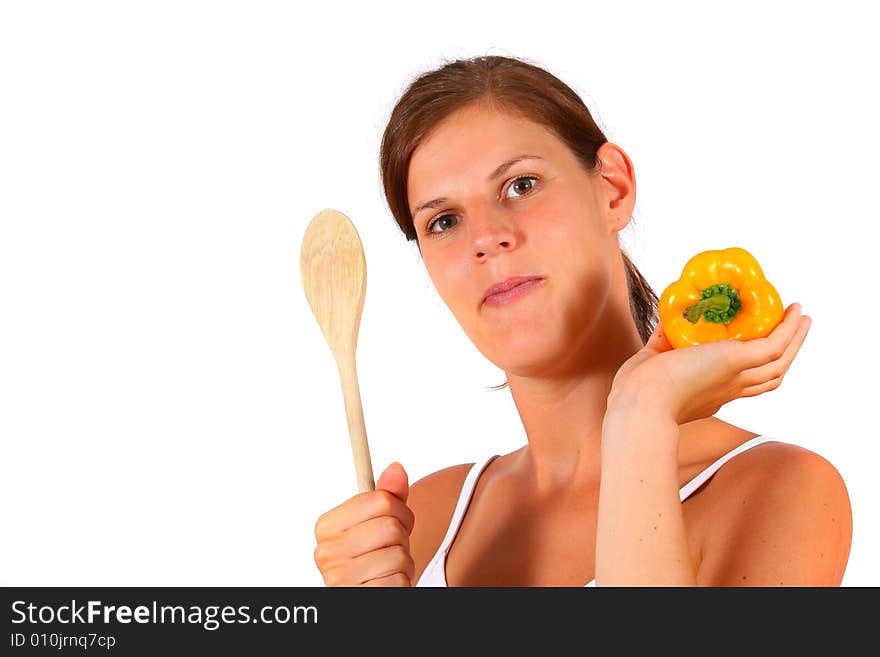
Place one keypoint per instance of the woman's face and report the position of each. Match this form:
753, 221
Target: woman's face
542, 216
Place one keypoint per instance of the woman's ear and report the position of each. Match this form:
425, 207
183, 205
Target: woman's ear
618, 185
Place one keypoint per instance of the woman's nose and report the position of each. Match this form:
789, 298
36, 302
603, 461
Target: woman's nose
491, 232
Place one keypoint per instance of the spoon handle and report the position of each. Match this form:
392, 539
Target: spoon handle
357, 432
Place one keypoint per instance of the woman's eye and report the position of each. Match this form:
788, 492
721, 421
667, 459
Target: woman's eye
522, 184
441, 221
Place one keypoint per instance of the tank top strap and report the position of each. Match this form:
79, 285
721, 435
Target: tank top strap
464, 498
701, 478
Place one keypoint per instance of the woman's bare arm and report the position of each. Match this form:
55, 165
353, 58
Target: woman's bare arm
640, 539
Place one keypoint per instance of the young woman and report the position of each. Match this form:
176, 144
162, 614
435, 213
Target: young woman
498, 171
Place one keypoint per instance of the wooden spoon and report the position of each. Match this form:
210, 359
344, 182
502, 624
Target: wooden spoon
334, 276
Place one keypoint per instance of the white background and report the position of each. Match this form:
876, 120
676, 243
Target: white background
169, 411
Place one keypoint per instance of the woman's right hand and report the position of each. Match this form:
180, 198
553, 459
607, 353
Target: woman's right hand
365, 540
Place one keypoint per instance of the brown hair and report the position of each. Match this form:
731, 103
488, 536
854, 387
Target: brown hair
515, 86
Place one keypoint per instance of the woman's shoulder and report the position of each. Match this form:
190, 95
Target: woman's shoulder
782, 469
781, 516
432, 500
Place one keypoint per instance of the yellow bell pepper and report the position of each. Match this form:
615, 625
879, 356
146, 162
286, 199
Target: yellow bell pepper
721, 295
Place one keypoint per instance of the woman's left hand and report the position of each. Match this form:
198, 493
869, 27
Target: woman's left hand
694, 382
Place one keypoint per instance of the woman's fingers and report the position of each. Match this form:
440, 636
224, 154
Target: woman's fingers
382, 563
396, 579
753, 391
769, 376
761, 351
360, 507
372, 534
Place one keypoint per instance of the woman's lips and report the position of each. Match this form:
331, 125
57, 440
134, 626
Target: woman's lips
513, 293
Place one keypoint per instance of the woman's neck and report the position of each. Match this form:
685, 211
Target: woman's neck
562, 415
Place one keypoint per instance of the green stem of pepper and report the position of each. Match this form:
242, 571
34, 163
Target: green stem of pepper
719, 304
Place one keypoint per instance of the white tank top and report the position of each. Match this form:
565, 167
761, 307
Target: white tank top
435, 572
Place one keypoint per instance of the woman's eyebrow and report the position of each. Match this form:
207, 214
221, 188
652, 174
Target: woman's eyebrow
504, 166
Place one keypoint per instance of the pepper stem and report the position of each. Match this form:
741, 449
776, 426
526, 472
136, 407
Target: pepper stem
718, 304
